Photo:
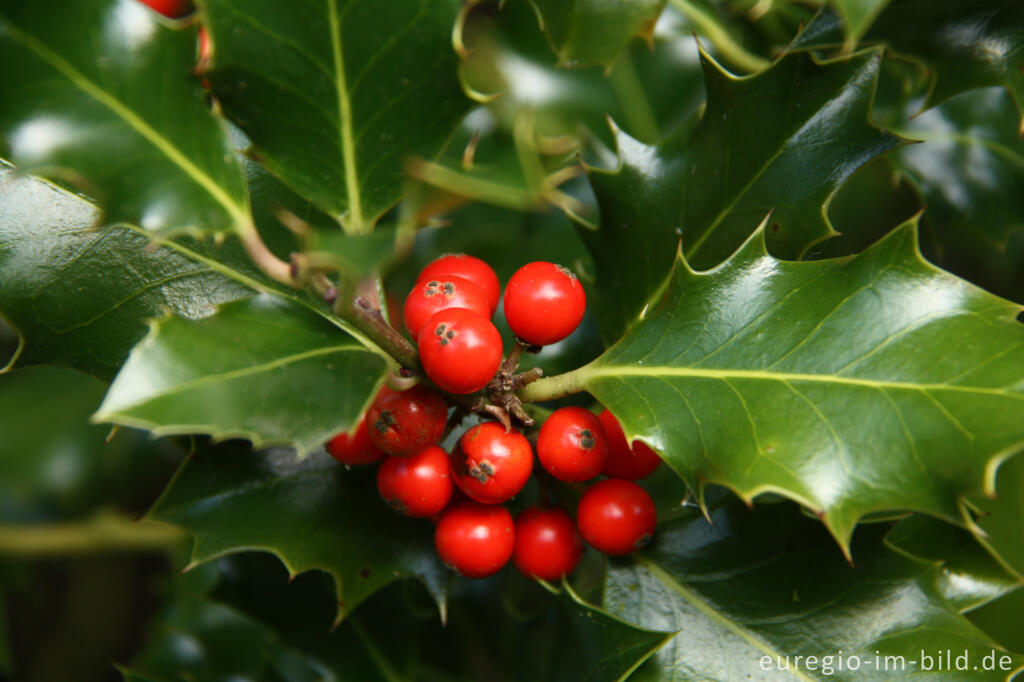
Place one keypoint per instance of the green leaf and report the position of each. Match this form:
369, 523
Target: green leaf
260, 369
970, 575
770, 583
1002, 517
857, 16
311, 513
969, 170
783, 140
855, 385
587, 32
80, 295
103, 97
337, 94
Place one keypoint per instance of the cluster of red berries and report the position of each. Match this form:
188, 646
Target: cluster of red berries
448, 312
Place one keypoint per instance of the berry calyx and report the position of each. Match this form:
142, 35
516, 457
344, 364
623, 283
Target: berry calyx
170, 8
572, 444
460, 350
616, 516
467, 267
475, 539
430, 296
355, 449
544, 303
417, 486
401, 423
634, 461
548, 545
491, 465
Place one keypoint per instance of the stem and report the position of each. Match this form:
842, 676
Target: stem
554, 387
725, 43
104, 532
264, 258
368, 320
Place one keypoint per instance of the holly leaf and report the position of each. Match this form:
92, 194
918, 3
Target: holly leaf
337, 95
104, 98
79, 295
754, 589
588, 32
785, 140
748, 375
311, 513
1002, 517
969, 169
858, 16
260, 369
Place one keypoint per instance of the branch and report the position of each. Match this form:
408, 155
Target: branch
103, 532
551, 388
366, 317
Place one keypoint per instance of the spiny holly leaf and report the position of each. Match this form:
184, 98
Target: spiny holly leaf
755, 587
337, 94
586, 32
260, 369
1002, 518
785, 139
311, 513
640, 206
857, 16
965, 44
80, 295
100, 94
854, 385
970, 575
969, 169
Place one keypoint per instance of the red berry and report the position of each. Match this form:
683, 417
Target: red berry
416, 486
401, 423
430, 296
357, 449
544, 303
170, 8
466, 267
547, 543
572, 445
475, 539
625, 461
460, 350
616, 516
491, 465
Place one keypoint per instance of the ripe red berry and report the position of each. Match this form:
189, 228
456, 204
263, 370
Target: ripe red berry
416, 486
401, 423
572, 445
491, 465
475, 539
544, 303
355, 449
170, 8
616, 516
460, 350
625, 461
430, 296
547, 543
466, 267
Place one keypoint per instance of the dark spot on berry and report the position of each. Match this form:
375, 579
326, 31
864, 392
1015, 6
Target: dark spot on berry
385, 421
440, 329
482, 472
450, 334
586, 439
642, 541
448, 288
364, 573
431, 289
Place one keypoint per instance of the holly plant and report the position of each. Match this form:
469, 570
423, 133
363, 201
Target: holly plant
521, 340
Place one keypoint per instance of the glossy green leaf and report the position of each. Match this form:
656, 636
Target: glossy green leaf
857, 16
585, 32
311, 513
260, 369
80, 295
755, 589
1001, 620
970, 575
855, 385
336, 95
1002, 518
784, 140
969, 169
104, 98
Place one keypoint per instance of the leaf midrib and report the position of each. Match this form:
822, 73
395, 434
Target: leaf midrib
617, 371
346, 133
236, 210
